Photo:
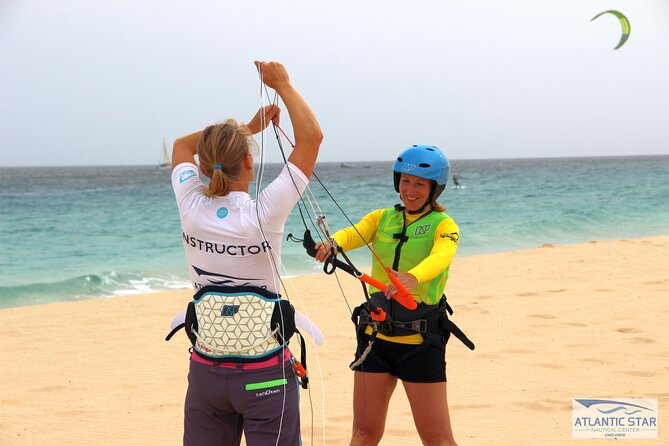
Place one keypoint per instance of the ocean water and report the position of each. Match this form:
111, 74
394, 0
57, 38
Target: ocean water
81, 232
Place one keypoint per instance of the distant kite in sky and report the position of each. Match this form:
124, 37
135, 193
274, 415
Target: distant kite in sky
623, 22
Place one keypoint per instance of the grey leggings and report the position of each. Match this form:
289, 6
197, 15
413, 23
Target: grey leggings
223, 402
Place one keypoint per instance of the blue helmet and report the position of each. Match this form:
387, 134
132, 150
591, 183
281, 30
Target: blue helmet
423, 161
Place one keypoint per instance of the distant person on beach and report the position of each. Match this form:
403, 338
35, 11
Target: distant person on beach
419, 240
234, 241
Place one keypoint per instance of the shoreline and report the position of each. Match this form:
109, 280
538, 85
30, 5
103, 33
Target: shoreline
129, 293
550, 324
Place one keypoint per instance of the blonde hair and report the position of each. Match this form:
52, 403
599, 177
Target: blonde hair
434, 204
225, 145
437, 206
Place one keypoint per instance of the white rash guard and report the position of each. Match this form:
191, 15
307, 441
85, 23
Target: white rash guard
222, 235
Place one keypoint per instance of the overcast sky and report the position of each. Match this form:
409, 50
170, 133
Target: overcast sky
87, 82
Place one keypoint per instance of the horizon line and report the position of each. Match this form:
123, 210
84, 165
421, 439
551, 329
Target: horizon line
368, 161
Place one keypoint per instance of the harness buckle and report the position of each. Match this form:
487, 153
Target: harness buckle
419, 325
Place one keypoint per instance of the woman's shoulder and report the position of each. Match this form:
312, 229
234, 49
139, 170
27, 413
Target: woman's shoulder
377, 214
446, 221
185, 174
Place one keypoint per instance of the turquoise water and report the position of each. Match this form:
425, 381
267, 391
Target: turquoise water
77, 232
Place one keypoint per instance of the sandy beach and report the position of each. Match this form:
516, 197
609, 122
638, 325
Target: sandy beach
550, 324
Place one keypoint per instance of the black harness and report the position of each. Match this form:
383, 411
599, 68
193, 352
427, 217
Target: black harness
430, 321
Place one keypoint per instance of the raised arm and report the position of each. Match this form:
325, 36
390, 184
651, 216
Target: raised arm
185, 148
308, 135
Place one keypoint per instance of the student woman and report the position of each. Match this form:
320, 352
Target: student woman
419, 240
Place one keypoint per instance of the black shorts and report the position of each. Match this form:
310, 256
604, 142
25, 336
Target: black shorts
411, 363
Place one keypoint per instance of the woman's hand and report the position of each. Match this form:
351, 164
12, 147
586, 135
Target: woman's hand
323, 250
406, 279
263, 117
307, 132
274, 75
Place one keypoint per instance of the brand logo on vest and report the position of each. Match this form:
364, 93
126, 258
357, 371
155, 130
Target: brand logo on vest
229, 310
422, 230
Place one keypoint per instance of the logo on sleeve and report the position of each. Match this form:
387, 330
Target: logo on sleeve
186, 175
454, 236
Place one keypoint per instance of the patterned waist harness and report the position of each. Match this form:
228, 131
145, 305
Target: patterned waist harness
239, 324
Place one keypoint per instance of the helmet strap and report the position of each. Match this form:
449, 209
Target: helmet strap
419, 211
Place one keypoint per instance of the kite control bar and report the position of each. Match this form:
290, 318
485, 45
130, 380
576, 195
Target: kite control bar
403, 296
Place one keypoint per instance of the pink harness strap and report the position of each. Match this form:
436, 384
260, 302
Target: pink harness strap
273, 361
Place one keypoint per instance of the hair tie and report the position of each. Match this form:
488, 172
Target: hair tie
218, 166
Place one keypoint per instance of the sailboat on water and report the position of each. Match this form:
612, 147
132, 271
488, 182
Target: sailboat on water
165, 160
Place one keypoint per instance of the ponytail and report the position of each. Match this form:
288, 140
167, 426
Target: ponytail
221, 150
219, 184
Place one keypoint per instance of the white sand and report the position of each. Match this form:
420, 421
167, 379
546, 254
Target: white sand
550, 324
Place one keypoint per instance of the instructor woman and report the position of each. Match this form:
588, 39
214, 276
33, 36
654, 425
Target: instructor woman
233, 240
